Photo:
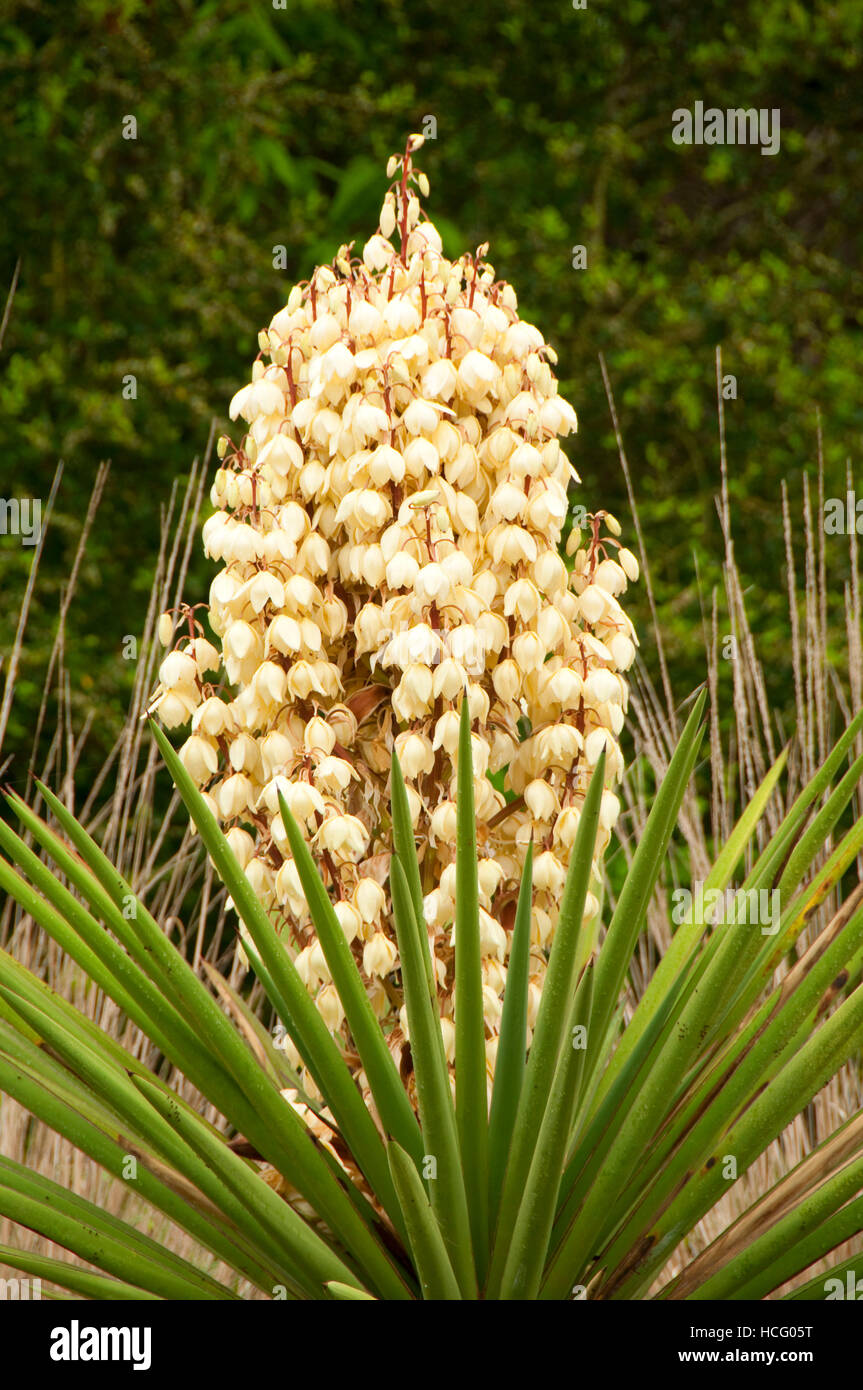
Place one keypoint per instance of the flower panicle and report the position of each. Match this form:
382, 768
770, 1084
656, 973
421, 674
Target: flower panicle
388, 528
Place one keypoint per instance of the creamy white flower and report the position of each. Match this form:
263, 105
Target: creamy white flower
235, 795
199, 758
174, 708
379, 955
476, 372
178, 669
345, 836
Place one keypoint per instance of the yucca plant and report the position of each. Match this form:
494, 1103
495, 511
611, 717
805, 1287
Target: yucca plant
604, 1144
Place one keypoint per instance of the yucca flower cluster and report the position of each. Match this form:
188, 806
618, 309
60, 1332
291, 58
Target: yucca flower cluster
388, 529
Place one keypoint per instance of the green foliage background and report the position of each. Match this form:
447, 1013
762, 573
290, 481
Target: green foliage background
259, 126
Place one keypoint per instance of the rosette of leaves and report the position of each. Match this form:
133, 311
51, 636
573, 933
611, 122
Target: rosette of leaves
603, 1146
